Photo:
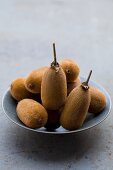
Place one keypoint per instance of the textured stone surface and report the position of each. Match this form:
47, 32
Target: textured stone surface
82, 30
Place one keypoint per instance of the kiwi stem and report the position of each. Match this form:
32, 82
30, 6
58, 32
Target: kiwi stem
54, 52
85, 84
54, 64
87, 81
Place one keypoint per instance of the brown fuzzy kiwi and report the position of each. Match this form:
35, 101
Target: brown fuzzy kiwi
72, 85
31, 113
34, 79
76, 107
71, 69
53, 121
19, 92
98, 100
54, 86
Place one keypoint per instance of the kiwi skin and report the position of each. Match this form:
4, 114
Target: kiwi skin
75, 109
53, 89
72, 85
31, 113
19, 92
53, 121
34, 79
71, 69
98, 101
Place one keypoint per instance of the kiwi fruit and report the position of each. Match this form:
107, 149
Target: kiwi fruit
72, 85
54, 86
76, 107
53, 121
31, 113
71, 69
98, 100
34, 79
19, 92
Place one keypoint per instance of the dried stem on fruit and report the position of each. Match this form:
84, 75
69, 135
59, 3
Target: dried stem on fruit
85, 84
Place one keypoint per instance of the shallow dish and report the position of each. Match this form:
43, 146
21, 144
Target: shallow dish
9, 107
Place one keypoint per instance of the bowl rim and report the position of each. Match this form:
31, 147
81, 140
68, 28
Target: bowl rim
66, 131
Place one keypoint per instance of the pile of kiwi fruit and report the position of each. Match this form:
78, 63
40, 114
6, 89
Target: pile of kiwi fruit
54, 96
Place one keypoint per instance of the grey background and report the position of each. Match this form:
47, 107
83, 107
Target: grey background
82, 30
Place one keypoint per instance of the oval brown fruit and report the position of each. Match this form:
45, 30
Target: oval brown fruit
34, 79
19, 92
31, 113
71, 69
98, 100
54, 86
53, 89
76, 107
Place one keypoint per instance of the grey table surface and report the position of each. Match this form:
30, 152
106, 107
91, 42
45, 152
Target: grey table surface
83, 31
